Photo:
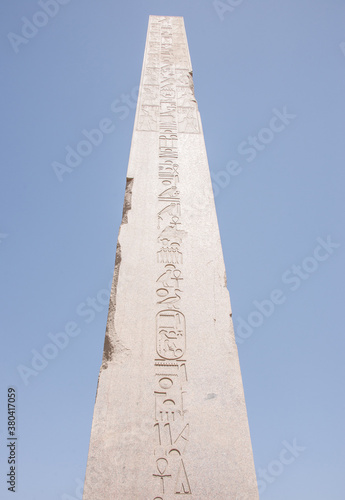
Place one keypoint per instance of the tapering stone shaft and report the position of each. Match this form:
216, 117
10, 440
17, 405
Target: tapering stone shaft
170, 418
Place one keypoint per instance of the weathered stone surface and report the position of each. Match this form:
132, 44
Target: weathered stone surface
170, 417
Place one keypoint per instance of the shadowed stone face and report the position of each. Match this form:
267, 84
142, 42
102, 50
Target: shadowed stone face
170, 416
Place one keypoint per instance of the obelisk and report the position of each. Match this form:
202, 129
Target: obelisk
170, 417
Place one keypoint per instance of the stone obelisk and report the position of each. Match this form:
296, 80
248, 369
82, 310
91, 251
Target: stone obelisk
170, 417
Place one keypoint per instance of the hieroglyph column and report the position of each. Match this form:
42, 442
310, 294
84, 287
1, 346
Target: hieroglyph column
170, 419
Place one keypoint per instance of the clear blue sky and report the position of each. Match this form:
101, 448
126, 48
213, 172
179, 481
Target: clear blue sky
279, 217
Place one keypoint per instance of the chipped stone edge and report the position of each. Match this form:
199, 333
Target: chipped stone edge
112, 344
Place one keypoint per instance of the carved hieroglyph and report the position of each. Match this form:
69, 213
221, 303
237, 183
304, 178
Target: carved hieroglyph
170, 417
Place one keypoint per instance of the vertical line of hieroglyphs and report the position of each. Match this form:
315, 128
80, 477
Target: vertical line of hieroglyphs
168, 107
